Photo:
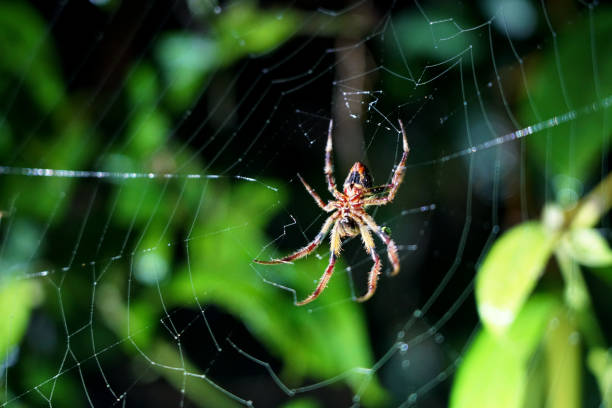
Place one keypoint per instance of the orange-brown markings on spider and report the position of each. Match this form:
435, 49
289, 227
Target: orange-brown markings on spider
322, 283
349, 217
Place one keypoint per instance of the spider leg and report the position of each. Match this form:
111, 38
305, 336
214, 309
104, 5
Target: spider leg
316, 197
329, 168
398, 175
307, 249
335, 246
391, 247
322, 282
378, 190
368, 243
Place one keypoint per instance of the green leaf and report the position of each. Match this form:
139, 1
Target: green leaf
563, 362
495, 370
509, 273
16, 303
600, 364
588, 247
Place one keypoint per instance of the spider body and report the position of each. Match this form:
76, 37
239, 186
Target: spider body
348, 227
355, 187
358, 180
348, 217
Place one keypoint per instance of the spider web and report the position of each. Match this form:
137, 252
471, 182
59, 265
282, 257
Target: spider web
151, 151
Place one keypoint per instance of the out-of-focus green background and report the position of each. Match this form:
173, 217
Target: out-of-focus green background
120, 289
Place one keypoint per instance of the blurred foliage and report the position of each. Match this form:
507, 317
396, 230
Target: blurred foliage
222, 240
16, 302
499, 366
422, 41
188, 59
496, 370
505, 296
530, 348
23, 37
510, 272
302, 403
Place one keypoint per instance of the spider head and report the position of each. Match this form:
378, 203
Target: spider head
358, 179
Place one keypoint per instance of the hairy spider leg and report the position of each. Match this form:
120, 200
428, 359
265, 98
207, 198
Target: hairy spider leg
308, 248
322, 282
382, 189
316, 197
329, 168
391, 247
398, 175
335, 244
368, 243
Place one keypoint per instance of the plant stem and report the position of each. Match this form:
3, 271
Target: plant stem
579, 300
592, 207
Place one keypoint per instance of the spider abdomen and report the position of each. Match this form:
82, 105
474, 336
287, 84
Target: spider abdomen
358, 179
348, 227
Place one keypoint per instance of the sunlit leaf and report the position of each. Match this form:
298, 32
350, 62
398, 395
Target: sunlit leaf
16, 303
495, 370
509, 273
588, 247
245, 29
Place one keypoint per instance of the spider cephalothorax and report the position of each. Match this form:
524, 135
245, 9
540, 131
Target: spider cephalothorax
349, 217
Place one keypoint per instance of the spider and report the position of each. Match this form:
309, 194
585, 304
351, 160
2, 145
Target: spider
349, 217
